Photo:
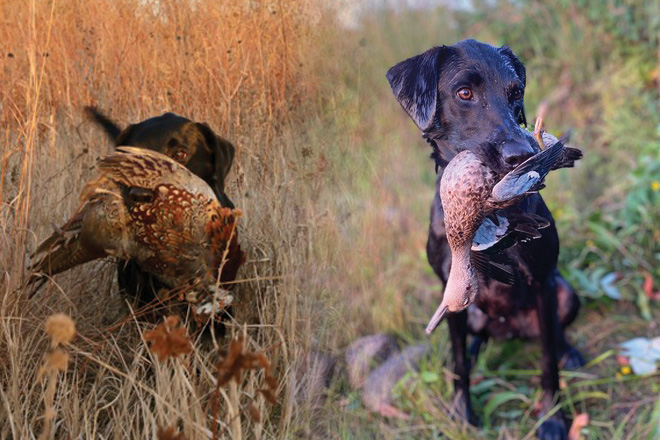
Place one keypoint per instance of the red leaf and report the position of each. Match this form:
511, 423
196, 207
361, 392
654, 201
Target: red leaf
648, 285
622, 360
579, 422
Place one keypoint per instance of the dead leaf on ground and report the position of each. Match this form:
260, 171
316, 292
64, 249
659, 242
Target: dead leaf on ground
579, 422
170, 433
648, 287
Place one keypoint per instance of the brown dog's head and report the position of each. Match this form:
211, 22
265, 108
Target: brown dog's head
192, 144
468, 96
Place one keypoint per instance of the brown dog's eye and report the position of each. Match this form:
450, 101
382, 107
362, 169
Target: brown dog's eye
180, 156
465, 94
516, 94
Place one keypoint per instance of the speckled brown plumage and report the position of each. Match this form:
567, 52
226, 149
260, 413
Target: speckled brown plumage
146, 207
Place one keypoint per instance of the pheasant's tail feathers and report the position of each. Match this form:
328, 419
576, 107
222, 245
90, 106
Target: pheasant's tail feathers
60, 253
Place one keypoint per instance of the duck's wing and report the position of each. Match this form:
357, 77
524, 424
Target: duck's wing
495, 267
568, 156
505, 228
498, 232
528, 176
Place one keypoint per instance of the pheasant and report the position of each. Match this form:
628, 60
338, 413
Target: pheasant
146, 207
477, 228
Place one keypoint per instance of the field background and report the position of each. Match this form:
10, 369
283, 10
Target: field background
336, 184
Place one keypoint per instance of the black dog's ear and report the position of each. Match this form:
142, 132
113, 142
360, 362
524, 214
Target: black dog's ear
517, 65
414, 83
519, 68
223, 157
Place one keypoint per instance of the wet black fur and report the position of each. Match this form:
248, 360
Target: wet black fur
426, 86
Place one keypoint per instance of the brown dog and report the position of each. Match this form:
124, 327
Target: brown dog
192, 144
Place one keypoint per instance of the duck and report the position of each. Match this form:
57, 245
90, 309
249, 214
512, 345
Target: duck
477, 227
146, 207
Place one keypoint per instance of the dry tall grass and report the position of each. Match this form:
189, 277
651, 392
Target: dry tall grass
235, 65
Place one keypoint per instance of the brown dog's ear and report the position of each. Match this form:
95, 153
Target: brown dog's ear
414, 83
519, 68
223, 156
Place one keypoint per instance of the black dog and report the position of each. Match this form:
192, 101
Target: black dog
190, 143
470, 97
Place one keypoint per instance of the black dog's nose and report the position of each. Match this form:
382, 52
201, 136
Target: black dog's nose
515, 153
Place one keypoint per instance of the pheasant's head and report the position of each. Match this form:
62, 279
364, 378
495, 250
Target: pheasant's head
222, 235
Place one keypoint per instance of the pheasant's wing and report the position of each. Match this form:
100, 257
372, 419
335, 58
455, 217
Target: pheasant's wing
132, 167
528, 176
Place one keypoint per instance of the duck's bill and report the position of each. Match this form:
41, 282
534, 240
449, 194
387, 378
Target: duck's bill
436, 319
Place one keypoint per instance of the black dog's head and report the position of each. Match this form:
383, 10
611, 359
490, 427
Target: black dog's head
467, 97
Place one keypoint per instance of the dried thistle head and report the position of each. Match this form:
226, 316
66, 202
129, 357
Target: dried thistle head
168, 339
55, 361
60, 328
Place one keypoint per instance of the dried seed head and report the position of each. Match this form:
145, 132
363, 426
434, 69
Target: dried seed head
168, 340
60, 328
57, 360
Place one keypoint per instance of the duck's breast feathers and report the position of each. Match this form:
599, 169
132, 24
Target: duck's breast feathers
528, 176
142, 168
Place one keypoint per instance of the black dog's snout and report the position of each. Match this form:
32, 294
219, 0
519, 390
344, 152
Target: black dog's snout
515, 153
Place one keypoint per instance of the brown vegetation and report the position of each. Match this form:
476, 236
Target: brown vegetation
235, 65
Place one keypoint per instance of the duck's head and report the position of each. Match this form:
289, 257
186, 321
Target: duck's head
461, 291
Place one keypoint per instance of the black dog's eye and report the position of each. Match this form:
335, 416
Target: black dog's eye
516, 94
465, 94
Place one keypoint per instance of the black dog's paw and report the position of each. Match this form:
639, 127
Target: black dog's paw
552, 429
571, 359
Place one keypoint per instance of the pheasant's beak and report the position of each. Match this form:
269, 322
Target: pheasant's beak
437, 317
